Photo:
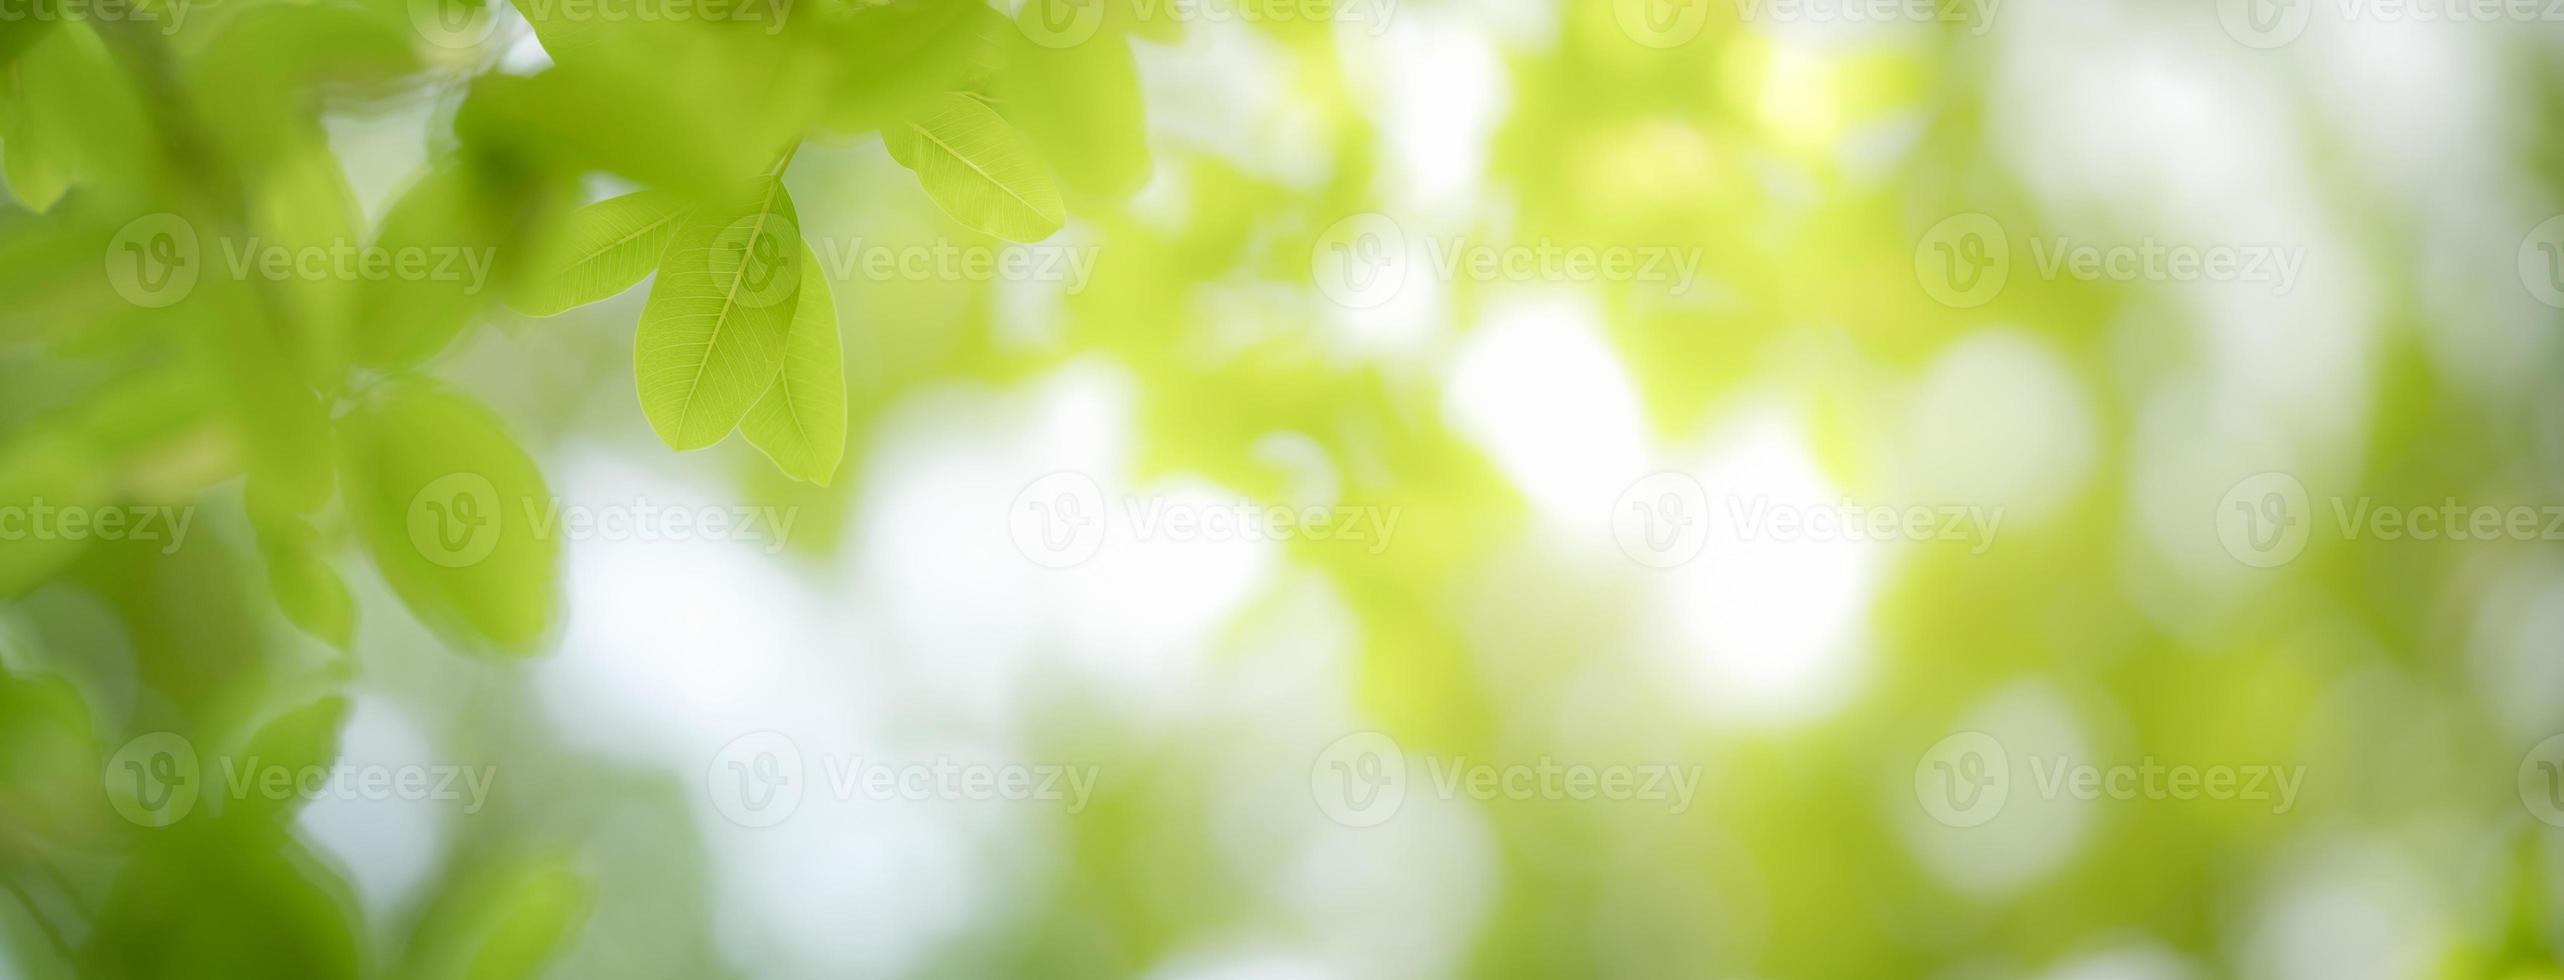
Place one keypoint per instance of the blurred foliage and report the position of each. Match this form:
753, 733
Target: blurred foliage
315, 412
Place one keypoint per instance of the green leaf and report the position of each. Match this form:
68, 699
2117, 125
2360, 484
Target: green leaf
801, 421
606, 247
1081, 106
69, 117
500, 920
981, 170
311, 593
296, 740
448, 221
712, 336
452, 512
897, 56
32, 152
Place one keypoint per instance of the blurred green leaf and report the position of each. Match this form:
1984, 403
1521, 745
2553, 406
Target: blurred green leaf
981, 170
449, 507
68, 117
800, 423
1081, 106
310, 592
500, 920
439, 247
712, 336
225, 898
295, 742
893, 58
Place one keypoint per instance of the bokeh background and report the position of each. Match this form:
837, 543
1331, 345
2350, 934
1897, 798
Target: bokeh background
1246, 738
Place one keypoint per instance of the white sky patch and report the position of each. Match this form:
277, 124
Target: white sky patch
2512, 646
1538, 388
2343, 911
1226, 89
388, 845
2000, 419
1435, 87
2142, 960
2029, 837
1768, 631
2190, 156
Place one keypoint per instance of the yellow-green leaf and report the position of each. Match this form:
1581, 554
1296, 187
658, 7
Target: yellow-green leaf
712, 336
801, 421
980, 169
606, 247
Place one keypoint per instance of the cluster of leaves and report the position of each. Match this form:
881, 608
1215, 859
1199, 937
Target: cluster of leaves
740, 331
318, 395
